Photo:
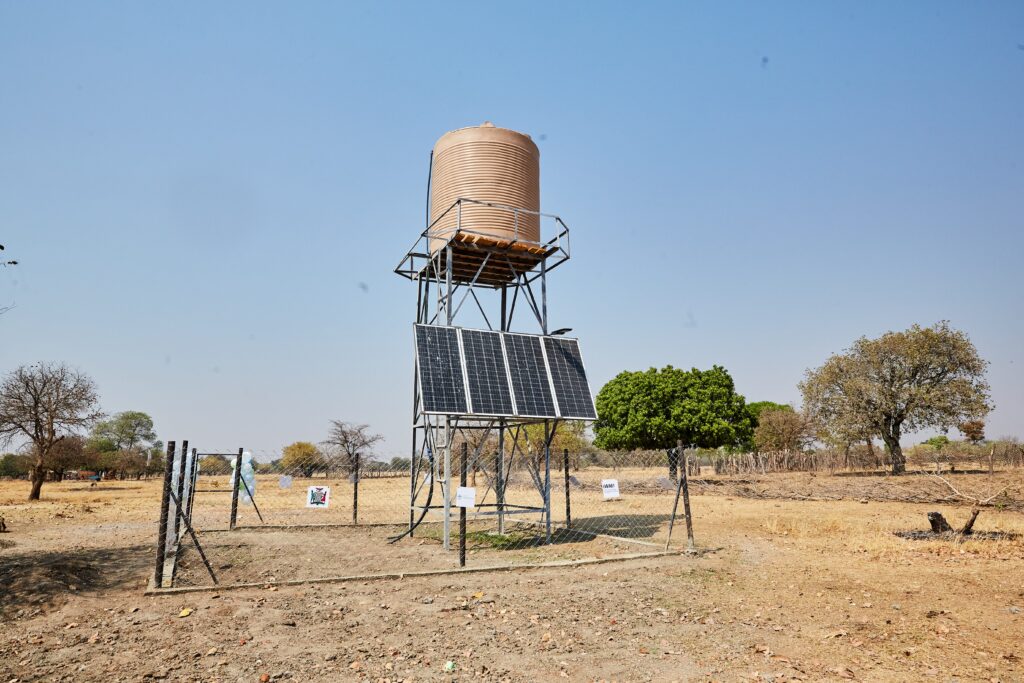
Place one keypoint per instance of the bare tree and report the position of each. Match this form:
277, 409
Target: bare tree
44, 404
349, 442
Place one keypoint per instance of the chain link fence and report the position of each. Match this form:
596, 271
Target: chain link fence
256, 518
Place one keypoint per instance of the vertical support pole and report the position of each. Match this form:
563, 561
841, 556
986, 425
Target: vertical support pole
568, 505
234, 489
686, 499
544, 295
499, 479
181, 489
165, 501
355, 490
412, 482
462, 510
448, 269
547, 479
192, 476
446, 484
499, 461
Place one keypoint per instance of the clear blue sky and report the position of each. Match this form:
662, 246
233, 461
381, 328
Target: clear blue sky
196, 190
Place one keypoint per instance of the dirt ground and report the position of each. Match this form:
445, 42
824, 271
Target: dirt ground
798, 578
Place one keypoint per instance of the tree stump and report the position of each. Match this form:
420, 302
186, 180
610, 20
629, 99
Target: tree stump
941, 526
939, 523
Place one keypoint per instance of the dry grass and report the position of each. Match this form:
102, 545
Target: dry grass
788, 589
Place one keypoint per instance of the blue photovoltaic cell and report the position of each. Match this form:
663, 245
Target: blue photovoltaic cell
440, 370
529, 376
569, 379
485, 373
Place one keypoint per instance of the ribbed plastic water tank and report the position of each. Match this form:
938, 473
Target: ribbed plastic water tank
487, 164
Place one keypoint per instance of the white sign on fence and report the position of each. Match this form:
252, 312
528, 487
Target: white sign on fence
610, 488
285, 482
465, 497
318, 497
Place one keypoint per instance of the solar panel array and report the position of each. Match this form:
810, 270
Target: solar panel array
501, 374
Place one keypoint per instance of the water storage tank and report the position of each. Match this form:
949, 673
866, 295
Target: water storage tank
487, 164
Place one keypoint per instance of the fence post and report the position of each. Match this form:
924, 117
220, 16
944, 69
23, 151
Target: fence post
547, 477
181, 488
165, 501
355, 491
462, 510
499, 468
568, 506
686, 499
234, 489
192, 476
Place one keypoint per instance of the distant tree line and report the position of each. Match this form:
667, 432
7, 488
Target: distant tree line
882, 388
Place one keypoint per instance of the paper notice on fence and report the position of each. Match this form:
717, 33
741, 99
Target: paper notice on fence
285, 482
465, 497
318, 497
610, 488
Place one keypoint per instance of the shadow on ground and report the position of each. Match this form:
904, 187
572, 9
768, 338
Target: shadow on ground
29, 580
624, 526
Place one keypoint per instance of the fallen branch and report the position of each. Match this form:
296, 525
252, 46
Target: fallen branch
977, 500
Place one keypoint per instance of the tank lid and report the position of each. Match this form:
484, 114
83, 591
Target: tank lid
493, 132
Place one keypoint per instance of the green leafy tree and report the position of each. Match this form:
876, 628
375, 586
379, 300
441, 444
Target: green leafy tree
14, 465
304, 457
924, 377
126, 430
214, 464
757, 407
654, 409
938, 442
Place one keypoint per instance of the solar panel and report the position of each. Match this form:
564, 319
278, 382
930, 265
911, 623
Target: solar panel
501, 374
440, 370
530, 384
569, 378
486, 373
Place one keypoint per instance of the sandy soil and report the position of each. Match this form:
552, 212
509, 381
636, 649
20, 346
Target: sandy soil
782, 590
